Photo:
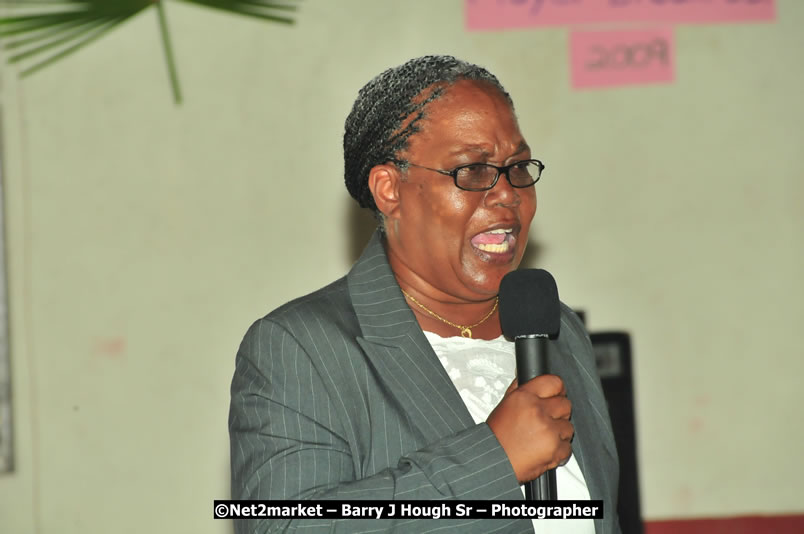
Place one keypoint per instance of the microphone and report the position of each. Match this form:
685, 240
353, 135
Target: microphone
530, 314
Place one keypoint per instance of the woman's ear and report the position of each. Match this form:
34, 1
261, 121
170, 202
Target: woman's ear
383, 182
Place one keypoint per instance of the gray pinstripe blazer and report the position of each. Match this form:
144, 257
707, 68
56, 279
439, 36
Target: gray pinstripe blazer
338, 395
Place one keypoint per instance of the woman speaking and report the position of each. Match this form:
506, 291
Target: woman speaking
395, 382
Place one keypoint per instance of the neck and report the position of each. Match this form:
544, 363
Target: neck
490, 329
478, 326
434, 308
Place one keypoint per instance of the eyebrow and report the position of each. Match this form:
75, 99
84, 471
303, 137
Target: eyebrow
481, 149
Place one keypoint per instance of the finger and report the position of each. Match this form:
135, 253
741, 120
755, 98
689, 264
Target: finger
563, 408
555, 381
556, 408
545, 386
565, 430
564, 453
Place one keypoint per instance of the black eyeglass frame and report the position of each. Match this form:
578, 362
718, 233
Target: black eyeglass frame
500, 170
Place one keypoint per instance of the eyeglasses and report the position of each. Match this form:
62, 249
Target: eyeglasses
484, 176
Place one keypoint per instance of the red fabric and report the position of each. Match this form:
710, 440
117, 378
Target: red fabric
784, 524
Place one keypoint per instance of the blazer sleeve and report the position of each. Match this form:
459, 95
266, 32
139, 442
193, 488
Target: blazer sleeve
286, 444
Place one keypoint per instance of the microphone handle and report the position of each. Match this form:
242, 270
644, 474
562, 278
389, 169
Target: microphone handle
531, 361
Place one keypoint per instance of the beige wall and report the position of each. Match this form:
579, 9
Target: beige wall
144, 238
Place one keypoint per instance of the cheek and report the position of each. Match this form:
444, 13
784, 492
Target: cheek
528, 206
455, 209
438, 215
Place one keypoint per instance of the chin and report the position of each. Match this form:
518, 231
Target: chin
484, 271
487, 282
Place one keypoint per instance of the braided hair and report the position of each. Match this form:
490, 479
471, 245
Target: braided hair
388, 110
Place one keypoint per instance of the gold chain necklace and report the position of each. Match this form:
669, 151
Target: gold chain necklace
466, 331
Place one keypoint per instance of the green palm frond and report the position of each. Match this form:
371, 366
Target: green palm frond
39, 32
39, 36
264, 9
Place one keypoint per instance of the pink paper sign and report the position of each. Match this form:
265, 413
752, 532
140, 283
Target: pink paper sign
610, 58
499, 14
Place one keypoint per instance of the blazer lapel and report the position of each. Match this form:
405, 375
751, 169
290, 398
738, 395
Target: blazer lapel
398, 351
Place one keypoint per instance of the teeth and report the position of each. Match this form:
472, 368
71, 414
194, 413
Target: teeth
496, 249
501, 231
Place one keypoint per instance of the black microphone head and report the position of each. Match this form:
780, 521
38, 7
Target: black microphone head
529, 304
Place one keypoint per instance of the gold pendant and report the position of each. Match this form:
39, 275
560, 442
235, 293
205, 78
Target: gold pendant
466, 332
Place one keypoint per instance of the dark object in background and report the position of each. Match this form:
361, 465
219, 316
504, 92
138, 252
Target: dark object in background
613, 355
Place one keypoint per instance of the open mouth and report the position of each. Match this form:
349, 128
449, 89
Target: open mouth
497, 241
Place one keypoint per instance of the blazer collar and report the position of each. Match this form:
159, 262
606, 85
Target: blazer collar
398, 350
381, 309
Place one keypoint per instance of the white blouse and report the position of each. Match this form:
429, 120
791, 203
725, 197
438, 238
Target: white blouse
481, 371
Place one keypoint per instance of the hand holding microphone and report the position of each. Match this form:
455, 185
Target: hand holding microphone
532, 425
